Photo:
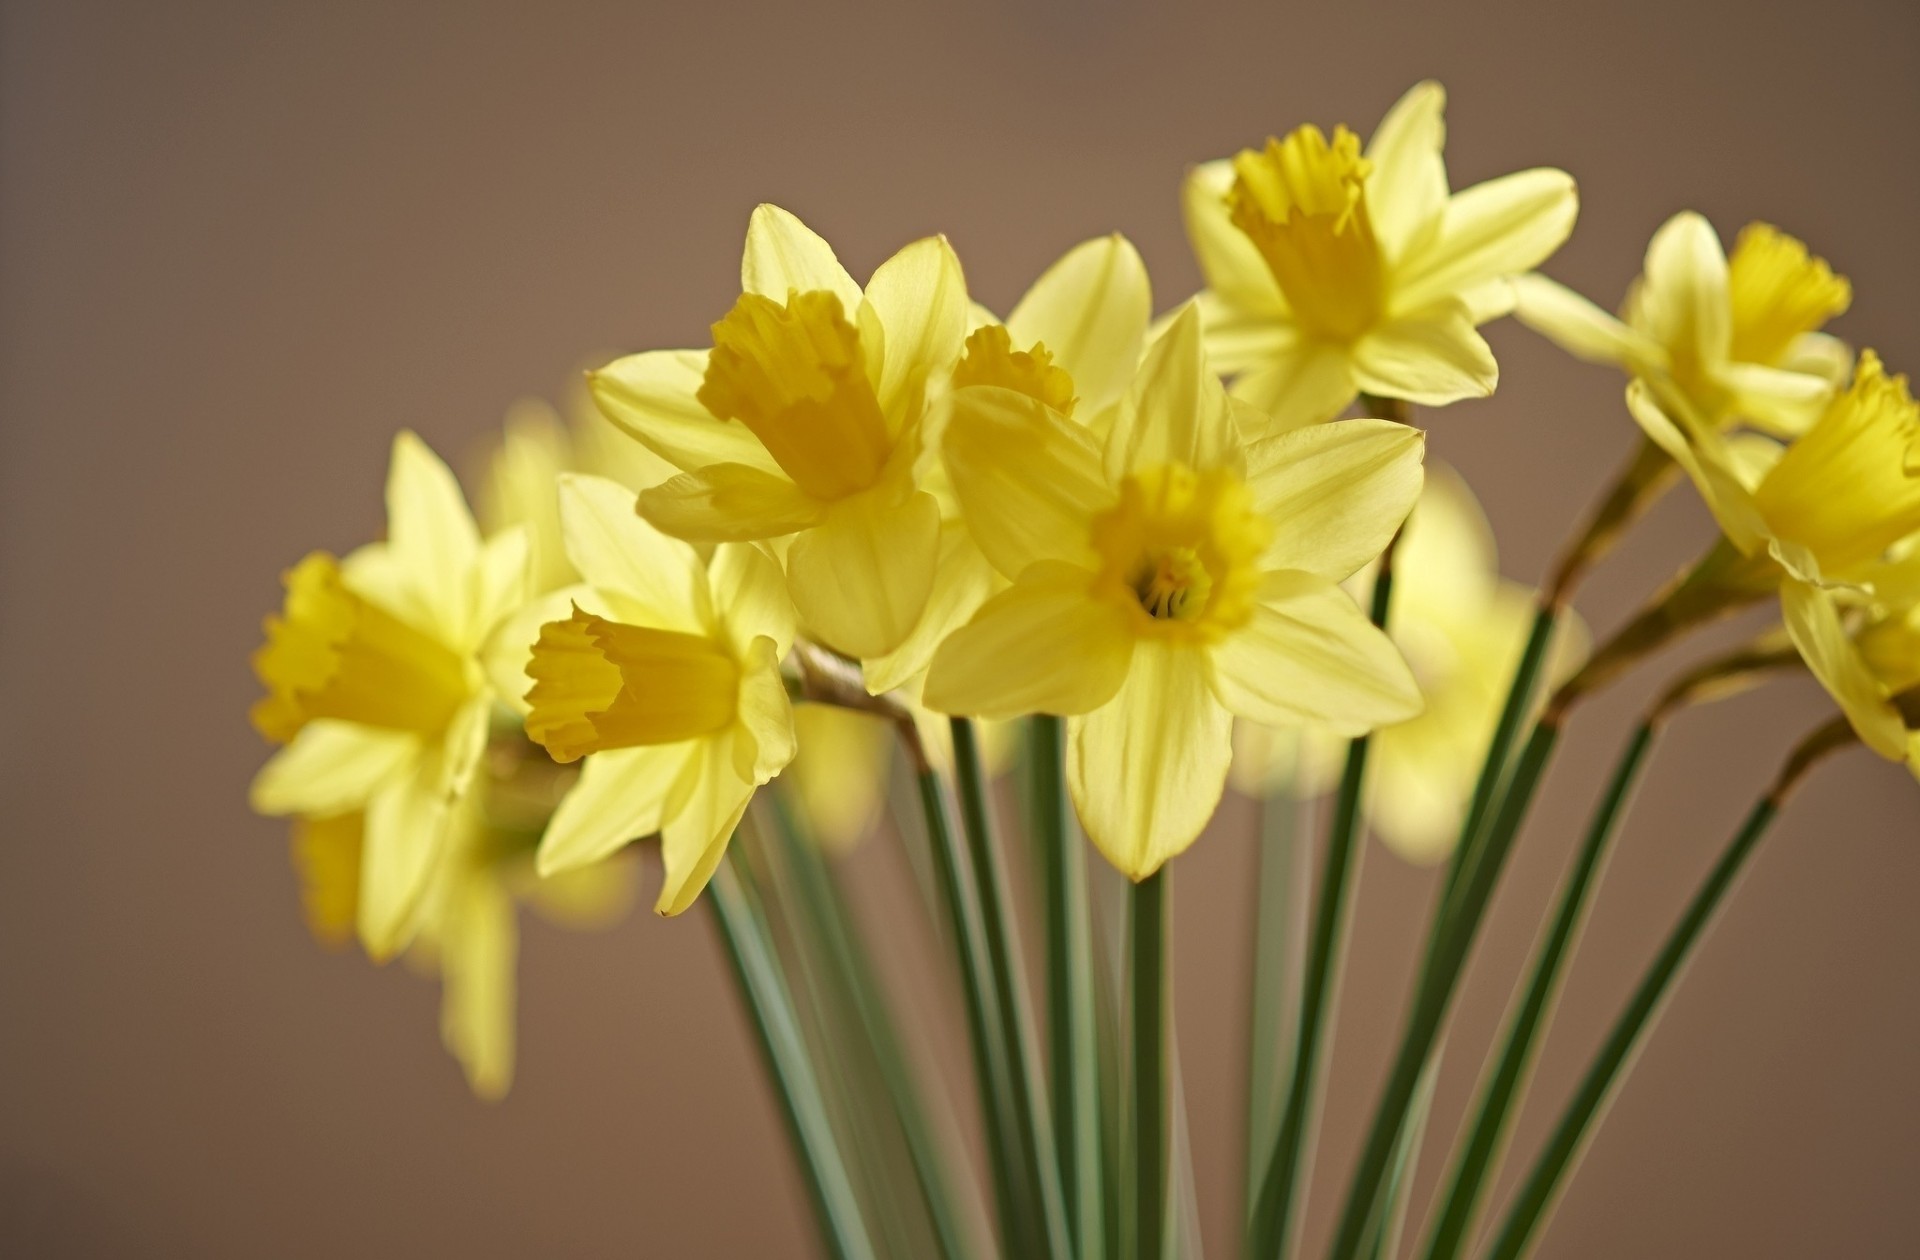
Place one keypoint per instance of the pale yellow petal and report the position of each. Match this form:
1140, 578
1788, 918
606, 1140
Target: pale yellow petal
1336, 493
1684, 301
1820, 354
1574, 324
652, 398
478, 951
1043, 645
1500, 228
1813, 622
1304, 382
509, 647
750, 593
431, 537
331, 767
765, 717
861, 578
920, 297
1028, 481
784, 254
729, 503
695, 837
501, 582
1703, 454
840, 776
1407, 190
1432, 357
1781, 402
1175, 412
961, 583
1310, 656
1147, 769
619, 797
1239, 339
1091, 309
612, 547
1228, 260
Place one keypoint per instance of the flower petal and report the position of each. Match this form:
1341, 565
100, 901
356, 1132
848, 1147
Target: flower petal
1310, 656
619, 797
1147, 769
1239, 339
1028, 481
1232, 266
1574, 324
1500, 228
1305, 382
1091, 309
750, 593
1705, 457
695, 837
1336, 492
961, 583
612, 547
478, 948
729, 503
1781, 402
920, 297
1407, 190
1813, 622
861, 578
500, 582
1043, 645
652, 398
330, 767
765, 716
1432, 357
431, 537
1175, 412
784, 254
841, 772
1684, 301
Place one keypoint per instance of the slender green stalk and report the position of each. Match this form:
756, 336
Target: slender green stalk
1541, 1190
1040, 1161
1434, 996
846, 954
1276, 965
1070, 1015
1478, 1159
1152, 1061
1270, 1229
757, 972
1390, 1217
993, 1075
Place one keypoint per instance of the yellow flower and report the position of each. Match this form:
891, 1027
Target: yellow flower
374, 684
1168, 579
1866, 653
805, 424
673, 686
1330, 272
1720, 340
1461, 628
1829, 506
839, 772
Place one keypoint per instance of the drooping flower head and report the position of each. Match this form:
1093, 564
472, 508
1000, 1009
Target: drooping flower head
374, 684
1167, 579
805, 424
1331, 271
667, 672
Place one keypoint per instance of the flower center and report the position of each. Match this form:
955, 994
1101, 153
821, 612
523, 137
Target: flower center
795, 376
1779, 291
1303, 204
1180, 551
600, 684
332, 654
990, 359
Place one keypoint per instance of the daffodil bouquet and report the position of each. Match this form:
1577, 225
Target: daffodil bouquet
877, 525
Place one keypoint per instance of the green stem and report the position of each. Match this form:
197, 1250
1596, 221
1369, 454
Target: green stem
1040, 1162
1270, 1229
764, 990
1152, 1098
1479, 1156
1070, 1000
1541, 1190
1435, 993
1270, 1045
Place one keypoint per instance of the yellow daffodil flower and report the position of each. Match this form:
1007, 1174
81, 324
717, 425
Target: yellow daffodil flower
805, 423
1722, 340
668, 673
1330, 273
1462, 629
1167, 579
1865, 650
375, 687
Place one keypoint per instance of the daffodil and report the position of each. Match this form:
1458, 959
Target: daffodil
375, 687
806, 424
1721, 340
668, 673
1331, 272
1865, 650
1462, 629
1168, 579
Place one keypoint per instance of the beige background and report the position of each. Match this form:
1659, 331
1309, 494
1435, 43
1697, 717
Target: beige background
243, 243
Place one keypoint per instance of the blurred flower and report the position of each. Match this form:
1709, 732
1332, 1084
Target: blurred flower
1330, 273
1719, 340
805, 423
1865, 650
374, 684
1168, 581
675, 690
1462, 629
